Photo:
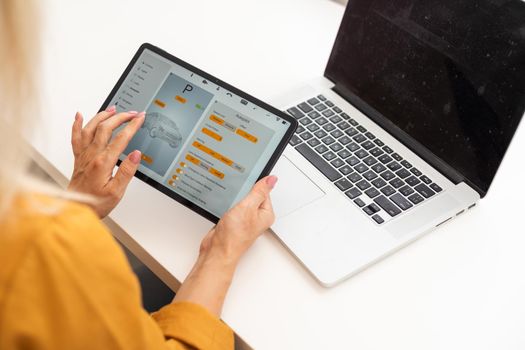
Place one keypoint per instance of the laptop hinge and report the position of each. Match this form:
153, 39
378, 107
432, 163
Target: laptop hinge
416, 147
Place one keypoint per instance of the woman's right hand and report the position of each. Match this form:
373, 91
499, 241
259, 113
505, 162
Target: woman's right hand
243, 224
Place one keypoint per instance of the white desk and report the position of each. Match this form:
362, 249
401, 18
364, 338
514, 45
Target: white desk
461, 287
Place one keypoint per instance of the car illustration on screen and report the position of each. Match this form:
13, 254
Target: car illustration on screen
163, 128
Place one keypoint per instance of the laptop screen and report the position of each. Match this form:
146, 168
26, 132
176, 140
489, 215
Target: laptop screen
449, 74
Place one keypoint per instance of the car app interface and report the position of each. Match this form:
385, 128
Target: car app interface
201, 141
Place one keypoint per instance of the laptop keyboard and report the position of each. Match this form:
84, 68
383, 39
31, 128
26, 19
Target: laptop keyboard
370, 173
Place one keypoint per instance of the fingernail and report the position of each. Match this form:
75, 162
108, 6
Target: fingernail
135, 157
271, 181
111, 109
141, 114
132, 112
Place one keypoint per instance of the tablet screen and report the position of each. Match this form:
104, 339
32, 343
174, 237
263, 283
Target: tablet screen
199, 139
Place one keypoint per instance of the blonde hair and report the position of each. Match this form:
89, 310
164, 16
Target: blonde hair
19, 78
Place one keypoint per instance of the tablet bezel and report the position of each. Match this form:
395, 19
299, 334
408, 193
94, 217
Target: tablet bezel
160, 187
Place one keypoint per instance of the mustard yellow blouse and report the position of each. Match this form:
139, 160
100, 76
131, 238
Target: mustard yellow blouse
66, 284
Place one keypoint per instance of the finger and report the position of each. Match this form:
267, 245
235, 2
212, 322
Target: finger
76, 134
260, 192
105, 129
125, 173
89, 130
122, 139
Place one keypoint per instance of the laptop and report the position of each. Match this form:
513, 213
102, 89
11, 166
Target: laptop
405, 131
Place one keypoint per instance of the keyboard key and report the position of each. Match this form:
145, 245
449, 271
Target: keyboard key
306, 135
353, 147
360, 168
369, 175
370, 135
335, 119
369, 160
387, 175
352, 161
328, 140
397, 182
378, 168
320, 134
376, 152
346, 169
345, 116
372, 192
406, 190
397, 157
313, 101
387, 149
378, 219
394, 166
401, 201
305, 121
329, 103
416, 198
328, 127
388, 190
343, 125
321, 149
314, 142
336, 147
313, 127
320, 107
406, 164
412, 180
361, 154
416, 172
363, 185
351, 132
321, 97
305, 107
387, 205
361, 128
426, 180
337, 109
379, 182
337, 162
367, 145
295, 140
353, 193
403, 173
343, 184
318, 162
359, 138
329, 155
424, 190
354, 177
314, 114
359, 202
385, 158
368, 210
353, 122
379, 142
328, 113
345, 140
299, 129
336, 133
344, 153
294, 112
435, 187
321, 121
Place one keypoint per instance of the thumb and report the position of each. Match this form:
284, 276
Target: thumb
260, 191
126, 170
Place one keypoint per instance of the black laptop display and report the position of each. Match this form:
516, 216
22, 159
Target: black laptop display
446, 77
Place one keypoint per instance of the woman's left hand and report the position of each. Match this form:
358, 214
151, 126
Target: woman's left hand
96, 155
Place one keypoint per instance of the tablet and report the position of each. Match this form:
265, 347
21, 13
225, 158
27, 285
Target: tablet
204, 143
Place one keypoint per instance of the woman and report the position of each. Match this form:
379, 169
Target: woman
64, 282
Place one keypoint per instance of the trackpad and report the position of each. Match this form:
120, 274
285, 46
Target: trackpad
294, 189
